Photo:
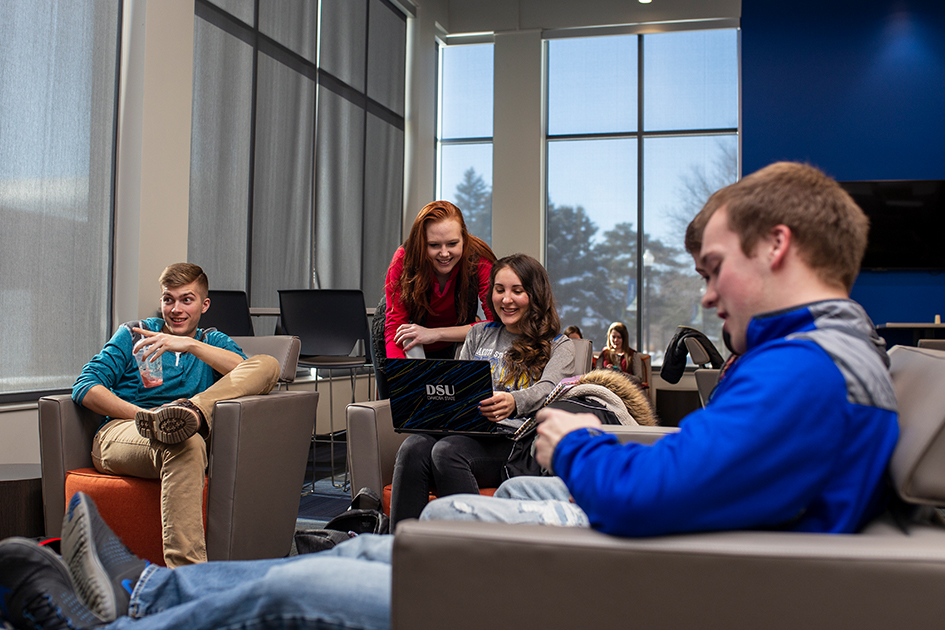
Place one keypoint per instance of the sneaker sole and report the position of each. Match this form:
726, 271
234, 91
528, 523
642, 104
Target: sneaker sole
17, 550
170, 425
91, 580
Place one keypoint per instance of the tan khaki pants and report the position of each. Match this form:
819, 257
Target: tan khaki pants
119, 449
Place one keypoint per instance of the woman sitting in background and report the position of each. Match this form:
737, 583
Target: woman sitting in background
618, 355
528, 357
433, 284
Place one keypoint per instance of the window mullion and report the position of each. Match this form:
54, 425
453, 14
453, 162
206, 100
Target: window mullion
641, 279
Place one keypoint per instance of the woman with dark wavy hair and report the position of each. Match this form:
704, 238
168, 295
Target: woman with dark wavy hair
528, 356
433, 284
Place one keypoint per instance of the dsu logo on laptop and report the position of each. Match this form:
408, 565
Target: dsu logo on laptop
439, 396
441, 392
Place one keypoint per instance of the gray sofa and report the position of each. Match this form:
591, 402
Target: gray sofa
477, 575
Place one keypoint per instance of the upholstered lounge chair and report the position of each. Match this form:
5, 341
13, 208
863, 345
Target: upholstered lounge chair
566, 578
257, 453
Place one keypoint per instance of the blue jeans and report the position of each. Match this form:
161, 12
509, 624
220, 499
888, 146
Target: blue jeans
532, 500
345, 587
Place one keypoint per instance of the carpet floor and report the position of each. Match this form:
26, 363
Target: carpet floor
324, 503
321, 501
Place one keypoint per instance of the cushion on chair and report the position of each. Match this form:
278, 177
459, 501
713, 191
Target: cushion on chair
387, 490
918, 463
131, 507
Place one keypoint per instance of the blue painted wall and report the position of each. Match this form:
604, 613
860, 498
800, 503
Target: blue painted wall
857, 89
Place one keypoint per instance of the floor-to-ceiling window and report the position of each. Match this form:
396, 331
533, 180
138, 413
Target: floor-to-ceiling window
640, 130
58, 110
464, 133
297, 144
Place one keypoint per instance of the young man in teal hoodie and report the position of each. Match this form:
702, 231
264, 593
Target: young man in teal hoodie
160, 431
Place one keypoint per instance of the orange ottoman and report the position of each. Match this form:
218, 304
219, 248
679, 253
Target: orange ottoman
131, 507
386, 498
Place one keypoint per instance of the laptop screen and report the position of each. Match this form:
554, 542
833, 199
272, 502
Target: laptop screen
439, 395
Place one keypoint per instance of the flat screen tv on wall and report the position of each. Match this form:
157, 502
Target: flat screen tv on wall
907, 223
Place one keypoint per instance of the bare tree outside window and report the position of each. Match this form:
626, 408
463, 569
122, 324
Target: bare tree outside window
676, 297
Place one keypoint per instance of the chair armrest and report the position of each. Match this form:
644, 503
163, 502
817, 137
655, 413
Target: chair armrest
258, 452
65, 443
372, 445
638, 434
557, 577
285, 349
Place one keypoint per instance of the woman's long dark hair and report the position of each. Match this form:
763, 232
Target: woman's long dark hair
416, 280
540, 323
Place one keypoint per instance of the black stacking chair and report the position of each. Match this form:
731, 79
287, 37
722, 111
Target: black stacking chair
332, 325
228, 313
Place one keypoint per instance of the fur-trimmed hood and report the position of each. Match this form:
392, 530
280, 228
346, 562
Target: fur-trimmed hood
613, 390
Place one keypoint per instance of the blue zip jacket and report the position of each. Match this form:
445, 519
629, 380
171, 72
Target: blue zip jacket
114, 367
797, 436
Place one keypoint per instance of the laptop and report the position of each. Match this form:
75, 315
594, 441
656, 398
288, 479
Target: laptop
440, 396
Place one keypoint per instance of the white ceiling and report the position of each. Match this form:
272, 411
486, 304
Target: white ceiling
474, 16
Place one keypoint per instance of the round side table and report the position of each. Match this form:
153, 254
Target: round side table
21, 501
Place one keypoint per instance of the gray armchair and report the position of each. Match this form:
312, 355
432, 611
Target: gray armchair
571, 578
583, 355
258, 452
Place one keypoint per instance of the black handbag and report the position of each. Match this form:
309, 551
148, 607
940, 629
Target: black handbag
315, 540
363, 516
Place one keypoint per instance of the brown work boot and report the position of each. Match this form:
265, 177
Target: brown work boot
171, 423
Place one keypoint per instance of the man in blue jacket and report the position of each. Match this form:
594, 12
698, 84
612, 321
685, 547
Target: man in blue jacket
797, 436
169, 441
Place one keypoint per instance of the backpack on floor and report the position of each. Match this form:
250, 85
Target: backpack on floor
363, 516
315, 540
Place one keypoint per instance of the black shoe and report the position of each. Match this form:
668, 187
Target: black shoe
171, 423
36, 592
103, 569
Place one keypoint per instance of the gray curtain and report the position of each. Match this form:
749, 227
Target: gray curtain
325, 147
282, 204
220, 156
58, 70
